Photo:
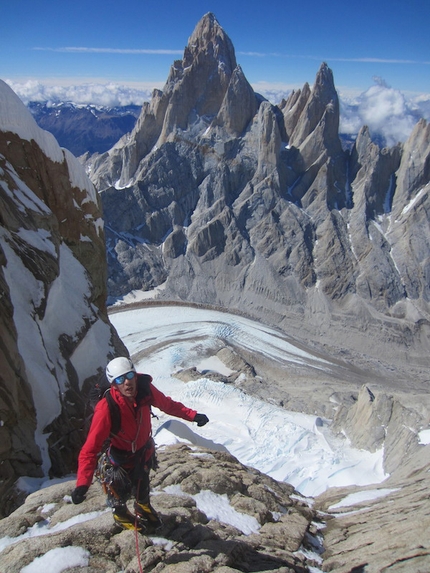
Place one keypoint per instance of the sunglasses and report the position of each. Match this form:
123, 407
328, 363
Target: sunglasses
121, 379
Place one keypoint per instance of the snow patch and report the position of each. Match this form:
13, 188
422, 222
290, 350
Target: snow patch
216, 506
15, 117
58, 560
43, 528
78, 177
362, 496
214, 364
424, 437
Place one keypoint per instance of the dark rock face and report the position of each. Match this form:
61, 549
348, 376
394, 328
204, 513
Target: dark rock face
53, 300
229, 200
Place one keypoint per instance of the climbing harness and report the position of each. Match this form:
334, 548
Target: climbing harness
114, 480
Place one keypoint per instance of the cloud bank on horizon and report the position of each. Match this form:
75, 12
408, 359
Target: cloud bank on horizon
388, 112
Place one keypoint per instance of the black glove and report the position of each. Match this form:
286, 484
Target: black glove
201, 419
78, 494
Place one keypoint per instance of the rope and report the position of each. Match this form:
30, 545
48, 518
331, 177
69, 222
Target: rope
136, 534
105, 475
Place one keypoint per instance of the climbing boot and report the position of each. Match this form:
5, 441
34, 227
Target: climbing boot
147, 515
126, 520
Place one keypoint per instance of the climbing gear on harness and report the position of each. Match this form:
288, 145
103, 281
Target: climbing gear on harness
114, 480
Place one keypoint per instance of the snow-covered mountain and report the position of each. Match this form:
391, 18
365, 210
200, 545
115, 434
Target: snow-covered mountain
54, 331
85, 129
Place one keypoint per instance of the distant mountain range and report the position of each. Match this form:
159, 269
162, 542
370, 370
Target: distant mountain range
95, 128
85, 129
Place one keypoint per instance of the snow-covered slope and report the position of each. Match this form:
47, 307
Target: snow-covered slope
55, 335
294, 447
15, 117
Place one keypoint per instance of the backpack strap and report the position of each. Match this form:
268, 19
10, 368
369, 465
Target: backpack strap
115, 414
143, 386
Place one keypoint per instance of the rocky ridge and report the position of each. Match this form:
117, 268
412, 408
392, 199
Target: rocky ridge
53, 300
382, 529
226, 199
283, 537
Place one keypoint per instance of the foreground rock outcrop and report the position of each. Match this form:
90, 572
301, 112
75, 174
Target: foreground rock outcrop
382, 529
282, 534
373, 529
54, 331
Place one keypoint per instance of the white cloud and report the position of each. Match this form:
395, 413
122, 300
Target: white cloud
389, 113
386, 111
99, 94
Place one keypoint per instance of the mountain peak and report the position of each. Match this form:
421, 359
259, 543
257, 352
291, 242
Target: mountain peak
210, 39
192, 96
206, 22
324, 73
207, 28
322, 104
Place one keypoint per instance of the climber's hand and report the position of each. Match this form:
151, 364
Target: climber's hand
78, 494
201, 419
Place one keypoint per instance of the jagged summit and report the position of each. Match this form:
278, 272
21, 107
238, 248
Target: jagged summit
196, 84
242, 203
210, 39
190, 100
322, 102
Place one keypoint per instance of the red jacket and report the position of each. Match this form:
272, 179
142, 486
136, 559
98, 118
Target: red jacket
135, 426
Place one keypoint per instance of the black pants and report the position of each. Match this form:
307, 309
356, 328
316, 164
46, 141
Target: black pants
125, 474
127, 485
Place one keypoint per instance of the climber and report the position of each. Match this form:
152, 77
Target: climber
123, 468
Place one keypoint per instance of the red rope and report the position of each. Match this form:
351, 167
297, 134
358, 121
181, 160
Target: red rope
136, 533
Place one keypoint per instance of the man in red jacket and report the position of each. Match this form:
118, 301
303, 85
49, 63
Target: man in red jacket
124, 467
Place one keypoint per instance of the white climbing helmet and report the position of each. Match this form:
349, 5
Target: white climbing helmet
118, 367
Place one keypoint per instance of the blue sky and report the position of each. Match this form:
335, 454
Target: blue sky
134, 42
